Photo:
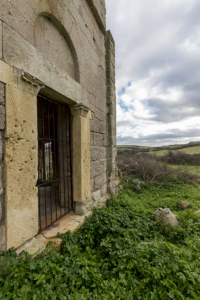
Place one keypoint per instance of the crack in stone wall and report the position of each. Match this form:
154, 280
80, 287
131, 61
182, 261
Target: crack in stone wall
2, 183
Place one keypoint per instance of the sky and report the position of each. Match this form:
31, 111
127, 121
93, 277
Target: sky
157, 70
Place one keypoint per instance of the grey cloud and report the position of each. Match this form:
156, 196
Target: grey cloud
159, 139
149, 39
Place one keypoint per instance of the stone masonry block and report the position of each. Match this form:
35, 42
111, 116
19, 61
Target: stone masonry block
2, 208
99, 139
1, 148
112, 188
92, 99
99, 181
111, 176
96, 195
2, 93
100, 101
10, 15
111, 74
92, 184
93, 125
98, 167
98, 126
2, 117
110, 58
97, 112
2, 238
1, 211
1, 177
104, 190
1, 41
97, 153
110, 43
83, 208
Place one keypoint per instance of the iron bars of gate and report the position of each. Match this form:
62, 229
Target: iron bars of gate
55, 187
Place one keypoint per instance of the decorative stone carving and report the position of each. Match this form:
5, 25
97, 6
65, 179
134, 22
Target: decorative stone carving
80, 109
32, 80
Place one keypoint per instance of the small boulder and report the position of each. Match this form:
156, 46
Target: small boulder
197, 212
166, 216
145, 243
185, 204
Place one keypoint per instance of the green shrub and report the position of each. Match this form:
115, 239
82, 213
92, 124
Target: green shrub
120, 253
129, 182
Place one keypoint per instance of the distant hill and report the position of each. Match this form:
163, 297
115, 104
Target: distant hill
139, 149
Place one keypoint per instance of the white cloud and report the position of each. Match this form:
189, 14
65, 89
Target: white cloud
158, 69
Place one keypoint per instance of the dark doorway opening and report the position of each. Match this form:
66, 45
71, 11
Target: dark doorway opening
55, 189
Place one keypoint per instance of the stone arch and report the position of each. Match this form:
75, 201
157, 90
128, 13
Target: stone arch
52, 39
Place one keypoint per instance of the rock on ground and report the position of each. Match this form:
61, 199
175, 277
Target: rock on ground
166, 216
184, 204
197, 212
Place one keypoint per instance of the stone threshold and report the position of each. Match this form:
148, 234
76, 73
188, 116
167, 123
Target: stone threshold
70, 222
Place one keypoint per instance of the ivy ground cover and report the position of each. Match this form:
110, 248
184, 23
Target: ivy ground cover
119, 253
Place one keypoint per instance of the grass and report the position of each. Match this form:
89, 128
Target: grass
160, 151
188, 150
121, 252
191, 169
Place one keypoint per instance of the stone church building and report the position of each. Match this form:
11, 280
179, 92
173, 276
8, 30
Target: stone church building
57, 113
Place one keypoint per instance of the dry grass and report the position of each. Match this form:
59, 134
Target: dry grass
148, 167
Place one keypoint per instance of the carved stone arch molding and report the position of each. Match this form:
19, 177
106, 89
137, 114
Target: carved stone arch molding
53, 40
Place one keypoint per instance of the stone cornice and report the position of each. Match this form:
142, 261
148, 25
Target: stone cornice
32, 80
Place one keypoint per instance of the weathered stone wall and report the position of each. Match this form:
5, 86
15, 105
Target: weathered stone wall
2, 178
51, 42
63, 44
111, 113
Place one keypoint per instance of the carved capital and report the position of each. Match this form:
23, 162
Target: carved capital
79, 109
32, 80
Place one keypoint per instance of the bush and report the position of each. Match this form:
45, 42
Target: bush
180, 158
148, 167
131, 183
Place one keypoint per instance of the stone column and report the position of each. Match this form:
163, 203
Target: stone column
21, 159
81, 158
111, 113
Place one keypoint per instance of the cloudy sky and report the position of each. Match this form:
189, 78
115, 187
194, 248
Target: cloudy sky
157, 70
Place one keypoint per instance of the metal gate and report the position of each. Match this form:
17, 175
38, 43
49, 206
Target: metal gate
55, 189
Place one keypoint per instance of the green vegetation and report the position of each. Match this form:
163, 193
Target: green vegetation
160, 151
191, 169
188, 150
120, 252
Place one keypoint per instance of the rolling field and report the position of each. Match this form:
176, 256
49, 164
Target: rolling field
188, 150
162, 151
192, 169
